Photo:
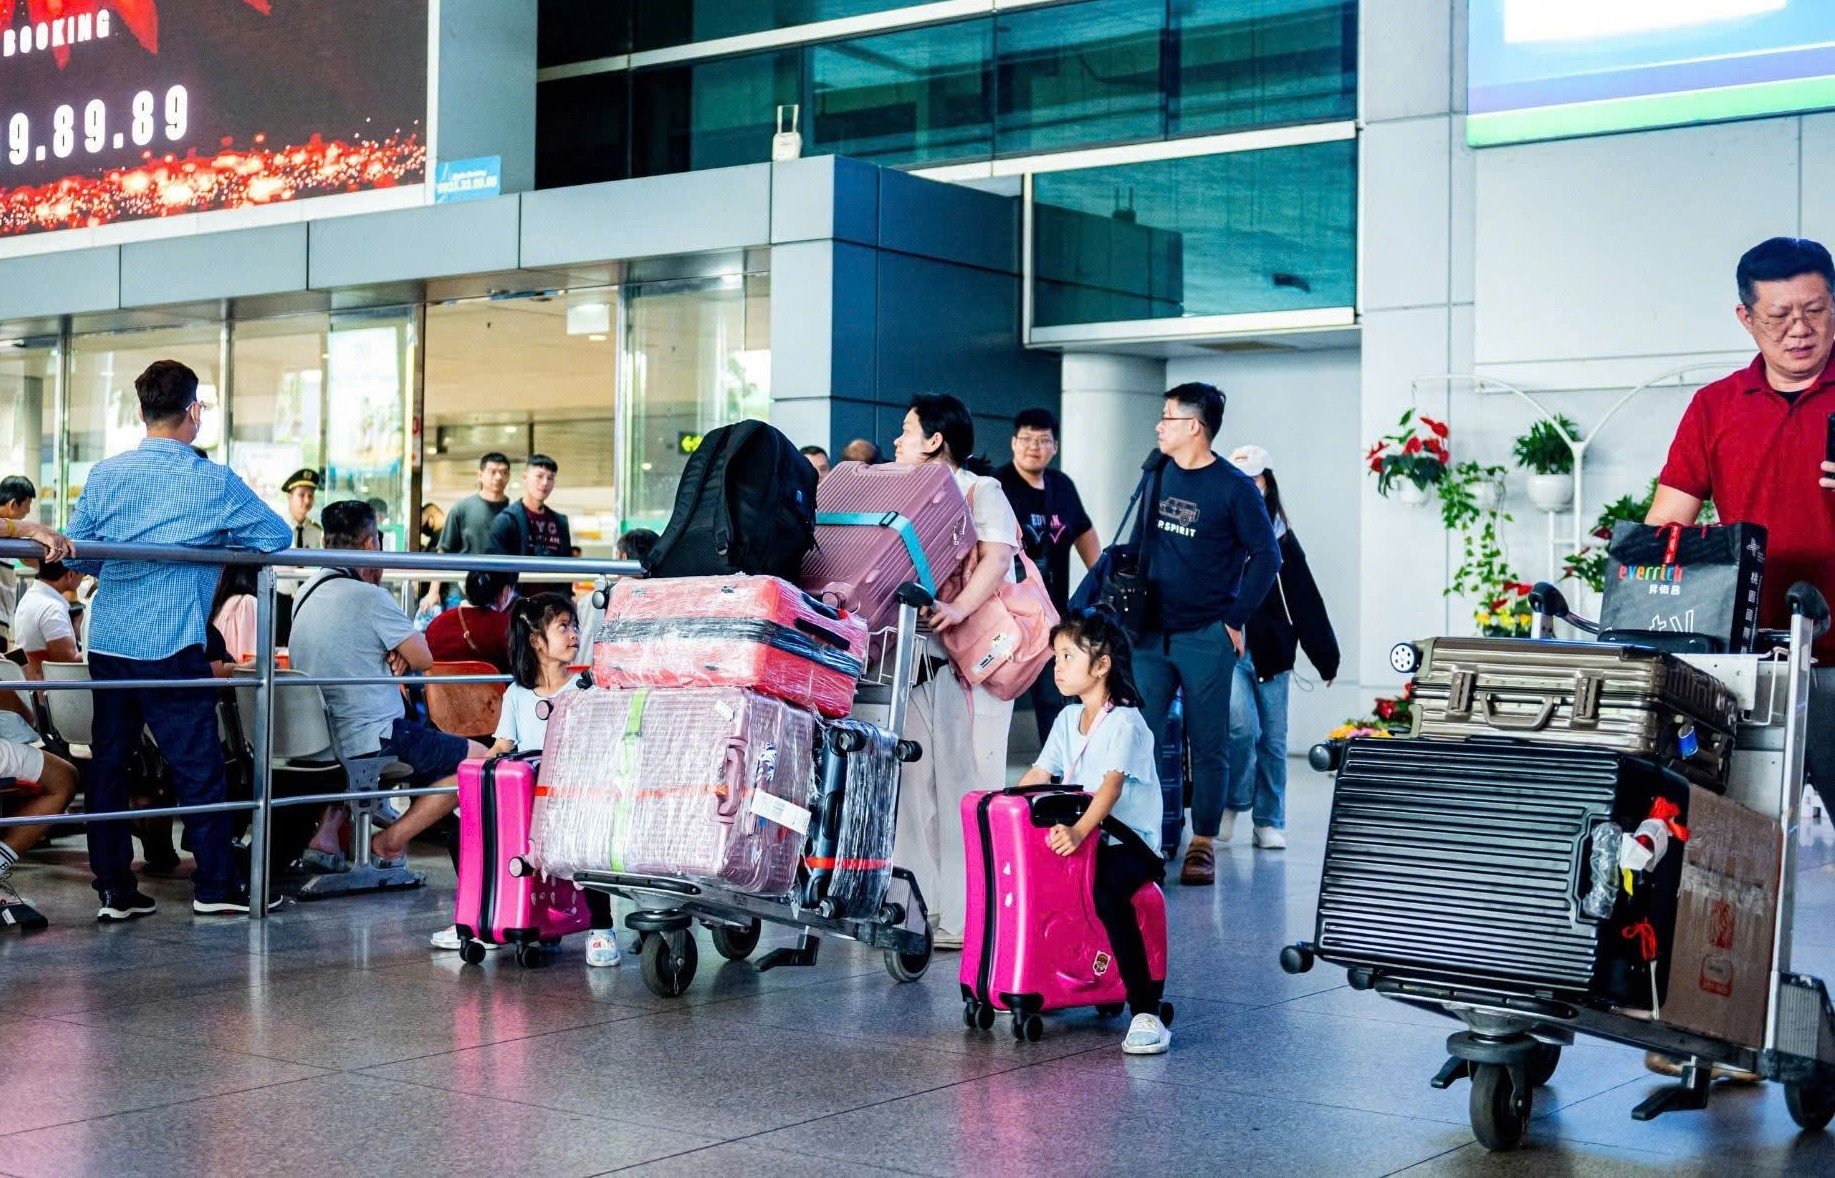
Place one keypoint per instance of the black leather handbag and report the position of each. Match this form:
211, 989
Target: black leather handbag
1118, 582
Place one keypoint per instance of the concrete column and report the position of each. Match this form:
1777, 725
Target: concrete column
1110, 404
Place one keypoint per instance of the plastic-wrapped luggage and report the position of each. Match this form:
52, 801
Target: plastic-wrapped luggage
709, 783
761, 633
1585, 694
1033, 940
1173, 759
499, 901
879, 526
855, 818
1480, 860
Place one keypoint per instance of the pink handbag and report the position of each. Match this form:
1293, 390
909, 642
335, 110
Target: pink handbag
1006, 642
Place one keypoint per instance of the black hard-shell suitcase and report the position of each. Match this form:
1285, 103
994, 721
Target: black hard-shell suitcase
1586, 694
848, 859
1470, 861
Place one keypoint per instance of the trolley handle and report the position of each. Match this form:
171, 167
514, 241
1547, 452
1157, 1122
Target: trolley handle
1807, 601
1547, 600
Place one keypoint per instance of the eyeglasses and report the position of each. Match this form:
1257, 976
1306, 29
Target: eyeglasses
1026, 443
1176, 417
1779, 324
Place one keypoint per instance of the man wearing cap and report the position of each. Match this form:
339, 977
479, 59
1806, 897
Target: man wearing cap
302, 487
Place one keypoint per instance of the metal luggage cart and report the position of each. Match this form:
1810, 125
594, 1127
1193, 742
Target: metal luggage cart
1512, 1039
668, 907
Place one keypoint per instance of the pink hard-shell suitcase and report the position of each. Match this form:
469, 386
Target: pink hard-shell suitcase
1033, 941
880, 525
502, 899
707, 783
756, 632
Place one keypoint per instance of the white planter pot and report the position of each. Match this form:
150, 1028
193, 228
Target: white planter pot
1551, 492
1410, 494
1489, 494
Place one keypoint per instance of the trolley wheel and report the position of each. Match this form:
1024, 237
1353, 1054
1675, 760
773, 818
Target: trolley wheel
669, 963
909, 967
1295, 959
529, 956
1543, 1062
1110, 1009
1500, 1114
984, 1017
471, 952
1030, 1028
1811, 1105
968, 1012
1166, 1014
736, 944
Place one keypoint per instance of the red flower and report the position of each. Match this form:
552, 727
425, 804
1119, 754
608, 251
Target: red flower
1408, 689
1413, 446
1373, 451
1385, 709
1376, 464
1439, 427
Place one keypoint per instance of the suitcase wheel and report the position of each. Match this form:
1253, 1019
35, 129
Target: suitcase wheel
471, 952
1027, 1028
529, 956
1404, 658
1500, 1113
1811, 1105
736, 944
977, 1015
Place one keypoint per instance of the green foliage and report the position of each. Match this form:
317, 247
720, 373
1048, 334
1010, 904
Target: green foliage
1543, 450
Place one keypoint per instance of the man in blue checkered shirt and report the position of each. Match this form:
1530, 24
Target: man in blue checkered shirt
148, 621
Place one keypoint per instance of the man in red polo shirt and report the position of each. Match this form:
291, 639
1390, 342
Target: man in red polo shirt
1755, 442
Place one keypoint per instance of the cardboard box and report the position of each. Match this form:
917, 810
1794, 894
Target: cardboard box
1726, 905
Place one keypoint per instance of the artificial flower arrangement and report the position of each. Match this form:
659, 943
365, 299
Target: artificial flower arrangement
1507, 614
1394, 717
1416, 453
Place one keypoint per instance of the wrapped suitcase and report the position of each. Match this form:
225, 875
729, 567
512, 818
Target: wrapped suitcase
1033, 942
879, 526
1173, 758
853, 820
1585, 694
1477, 861
707, 783
761, 633
501, 899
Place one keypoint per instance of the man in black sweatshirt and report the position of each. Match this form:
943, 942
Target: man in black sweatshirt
1211, 556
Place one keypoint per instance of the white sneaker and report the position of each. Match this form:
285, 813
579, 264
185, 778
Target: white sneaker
448, 938
1226, 828
1270, 838
945, 941
1147, 1035
602, 949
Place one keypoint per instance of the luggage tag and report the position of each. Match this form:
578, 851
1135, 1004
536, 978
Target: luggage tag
1687, 742
766, 805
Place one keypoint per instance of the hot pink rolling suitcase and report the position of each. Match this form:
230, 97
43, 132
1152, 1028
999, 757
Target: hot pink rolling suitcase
502, 900
881, 525
707, 783
756, 632
1034, 942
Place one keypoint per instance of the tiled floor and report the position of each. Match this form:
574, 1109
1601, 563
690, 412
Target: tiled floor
331, 1040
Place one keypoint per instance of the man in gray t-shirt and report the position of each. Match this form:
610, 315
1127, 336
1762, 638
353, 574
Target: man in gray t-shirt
468, 524
345, 624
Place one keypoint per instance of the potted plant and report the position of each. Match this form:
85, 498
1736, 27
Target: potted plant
1411, 460
1506, 614
1467, 491
1549, 457
1394, 716
1588, 566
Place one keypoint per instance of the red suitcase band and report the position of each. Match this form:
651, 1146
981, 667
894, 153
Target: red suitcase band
825, 862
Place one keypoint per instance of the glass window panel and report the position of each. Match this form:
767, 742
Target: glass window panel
919, 96
582, 130
581, 30
1270, 230
366, 413
1080, 75
711, 115
1258, 63
28, 421
662, 23
104, 411
277, 401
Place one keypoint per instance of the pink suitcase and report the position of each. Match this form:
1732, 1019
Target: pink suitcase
1034, 942
707, 783
502, 900
879, 526
756, 632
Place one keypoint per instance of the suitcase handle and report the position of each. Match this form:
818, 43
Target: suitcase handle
733, 755
822, 633
1487, 705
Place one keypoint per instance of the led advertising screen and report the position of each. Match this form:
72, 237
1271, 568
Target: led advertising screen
1552, 69
121, 110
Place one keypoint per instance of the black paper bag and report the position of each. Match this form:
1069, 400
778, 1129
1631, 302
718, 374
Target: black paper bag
1686, 579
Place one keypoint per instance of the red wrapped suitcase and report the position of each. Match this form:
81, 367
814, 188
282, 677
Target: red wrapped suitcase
760, 633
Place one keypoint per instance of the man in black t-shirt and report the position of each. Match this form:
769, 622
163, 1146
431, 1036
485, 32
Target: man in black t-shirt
1211, 557
528, 527
1052, 517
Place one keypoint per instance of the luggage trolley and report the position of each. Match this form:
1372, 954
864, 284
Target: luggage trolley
1513, 1036
668, 906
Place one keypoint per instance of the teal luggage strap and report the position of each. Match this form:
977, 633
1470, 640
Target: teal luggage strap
920, 564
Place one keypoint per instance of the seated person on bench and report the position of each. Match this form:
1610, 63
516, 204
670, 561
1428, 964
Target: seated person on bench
345, 624
47, 784
41, 621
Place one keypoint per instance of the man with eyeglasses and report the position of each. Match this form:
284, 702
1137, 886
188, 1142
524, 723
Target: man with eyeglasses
148, 621
1211, 556
1052, 518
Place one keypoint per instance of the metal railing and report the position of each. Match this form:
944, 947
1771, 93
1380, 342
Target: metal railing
265, 681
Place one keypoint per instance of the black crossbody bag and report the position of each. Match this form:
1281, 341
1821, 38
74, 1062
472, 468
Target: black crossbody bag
1125, 589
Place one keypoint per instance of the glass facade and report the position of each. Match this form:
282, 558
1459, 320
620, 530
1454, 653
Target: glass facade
1246, 232
1053, 78
28, 418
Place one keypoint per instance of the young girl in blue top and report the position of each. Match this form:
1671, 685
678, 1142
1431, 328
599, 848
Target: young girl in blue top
1106, 747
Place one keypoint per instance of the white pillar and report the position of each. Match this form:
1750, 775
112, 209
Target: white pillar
1109, 409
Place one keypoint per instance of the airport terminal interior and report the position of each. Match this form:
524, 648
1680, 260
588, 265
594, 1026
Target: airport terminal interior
1451, 305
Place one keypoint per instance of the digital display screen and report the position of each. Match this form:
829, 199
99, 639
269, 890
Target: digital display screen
1553, 69
122, 110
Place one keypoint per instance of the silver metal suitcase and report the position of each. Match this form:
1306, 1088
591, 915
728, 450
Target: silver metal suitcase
1591, 694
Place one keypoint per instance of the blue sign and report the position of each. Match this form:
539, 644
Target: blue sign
468, 179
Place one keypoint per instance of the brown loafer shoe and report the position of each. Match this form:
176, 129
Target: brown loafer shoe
1200, 867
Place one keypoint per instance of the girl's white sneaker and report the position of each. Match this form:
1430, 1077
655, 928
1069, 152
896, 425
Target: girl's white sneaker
602, 949
1147, 1035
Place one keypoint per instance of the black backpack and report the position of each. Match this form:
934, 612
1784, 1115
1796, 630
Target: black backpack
746, 504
